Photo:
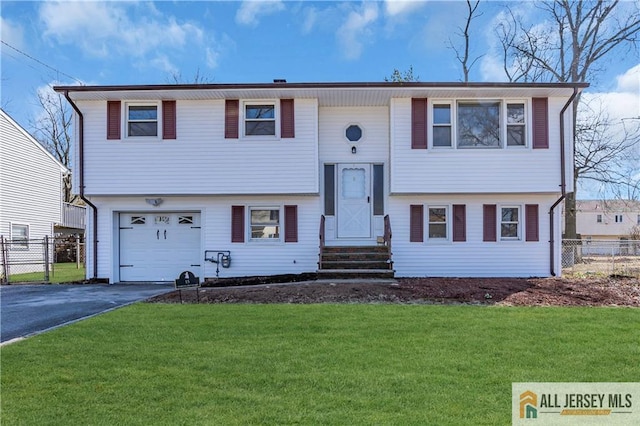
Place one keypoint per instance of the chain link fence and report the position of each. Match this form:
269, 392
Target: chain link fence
41, 260
584, 258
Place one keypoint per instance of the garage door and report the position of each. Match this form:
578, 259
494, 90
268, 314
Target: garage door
159, 246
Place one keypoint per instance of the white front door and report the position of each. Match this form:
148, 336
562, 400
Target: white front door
159, 246
354, 201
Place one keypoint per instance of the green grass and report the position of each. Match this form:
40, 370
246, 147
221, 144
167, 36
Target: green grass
309, 364
61, 273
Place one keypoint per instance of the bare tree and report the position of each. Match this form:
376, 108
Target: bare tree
176, 78
53, 129
398, 76
605, 149
462, 55
571, 47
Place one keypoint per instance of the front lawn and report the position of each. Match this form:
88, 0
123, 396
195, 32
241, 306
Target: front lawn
59, 273
309, 364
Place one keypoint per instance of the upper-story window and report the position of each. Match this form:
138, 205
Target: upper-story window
516, 124
618, 218
479, 124
599, 218
260, 119
442, 125
142, 120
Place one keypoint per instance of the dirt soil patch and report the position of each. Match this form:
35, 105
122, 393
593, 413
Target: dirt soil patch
611, 291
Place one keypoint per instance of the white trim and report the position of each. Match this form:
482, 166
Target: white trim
125, 121
276, 119
280, 224
447, 223
520, 220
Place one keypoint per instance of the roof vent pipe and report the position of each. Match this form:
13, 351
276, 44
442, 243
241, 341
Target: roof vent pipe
279, 80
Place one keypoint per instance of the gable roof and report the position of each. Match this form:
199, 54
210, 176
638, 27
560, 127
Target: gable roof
33, 140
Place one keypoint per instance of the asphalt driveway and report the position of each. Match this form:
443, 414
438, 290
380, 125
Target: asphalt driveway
30, 309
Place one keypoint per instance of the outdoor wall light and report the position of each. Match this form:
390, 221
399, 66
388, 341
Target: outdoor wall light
155, 202
354, 149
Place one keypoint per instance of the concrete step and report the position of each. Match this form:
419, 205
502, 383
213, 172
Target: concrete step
355, 274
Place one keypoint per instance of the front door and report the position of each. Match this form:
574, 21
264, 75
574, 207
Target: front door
354, 201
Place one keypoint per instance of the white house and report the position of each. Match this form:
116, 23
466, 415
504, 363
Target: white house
469, 177
31, 192
606, 226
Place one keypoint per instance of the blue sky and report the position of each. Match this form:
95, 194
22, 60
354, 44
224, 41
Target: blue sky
102, 43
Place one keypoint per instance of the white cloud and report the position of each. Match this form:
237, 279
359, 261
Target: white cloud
250, 11
103, 29
630, 80
12, 34
355, 31
401, 7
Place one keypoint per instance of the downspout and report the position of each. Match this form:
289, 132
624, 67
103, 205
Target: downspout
563, 182
94, 243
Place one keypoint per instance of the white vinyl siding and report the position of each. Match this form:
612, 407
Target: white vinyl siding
201, 160
247, 259
30, 183
473, 257
436, 170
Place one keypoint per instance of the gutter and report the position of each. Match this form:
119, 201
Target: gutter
563, 182
81, 181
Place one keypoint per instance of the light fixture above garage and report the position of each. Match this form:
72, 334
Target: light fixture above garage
155, 202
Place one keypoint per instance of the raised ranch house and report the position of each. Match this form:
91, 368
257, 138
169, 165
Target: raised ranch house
31, 197
416, 179
608, 226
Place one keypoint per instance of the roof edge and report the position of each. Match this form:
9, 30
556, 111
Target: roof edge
341, 85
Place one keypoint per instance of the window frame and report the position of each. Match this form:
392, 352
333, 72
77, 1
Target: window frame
433, 124
527, 120
279, 224
276, 118
599, 218
504, 104
15, 242
519, 223
447, 223
158, 120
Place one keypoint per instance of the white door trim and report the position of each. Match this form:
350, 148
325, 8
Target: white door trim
354, 211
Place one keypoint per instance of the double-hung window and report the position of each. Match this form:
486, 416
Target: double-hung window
510, 223
19, 236
599, 218
142, 120
437, 223
516, 124
260, 119
265, 223
442, 125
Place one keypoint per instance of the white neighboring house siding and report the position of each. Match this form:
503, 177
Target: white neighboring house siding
200, 160
506, 170
473, 257
30, 182
247, 258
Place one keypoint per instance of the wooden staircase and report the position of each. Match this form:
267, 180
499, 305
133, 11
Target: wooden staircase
355, 262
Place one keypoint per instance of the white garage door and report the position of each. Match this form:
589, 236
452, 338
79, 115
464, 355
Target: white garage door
159, 246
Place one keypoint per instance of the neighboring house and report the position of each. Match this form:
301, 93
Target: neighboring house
31, 191
607, 220
469, 176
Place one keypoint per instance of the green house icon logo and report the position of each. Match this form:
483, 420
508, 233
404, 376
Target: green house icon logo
528, 405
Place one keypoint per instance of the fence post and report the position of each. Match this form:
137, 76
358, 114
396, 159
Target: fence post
4, 257
46, 258
77, 252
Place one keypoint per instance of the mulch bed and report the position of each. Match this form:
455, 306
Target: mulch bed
608, 291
